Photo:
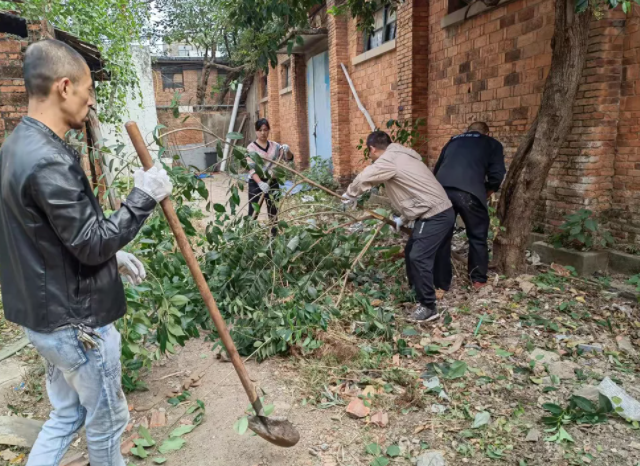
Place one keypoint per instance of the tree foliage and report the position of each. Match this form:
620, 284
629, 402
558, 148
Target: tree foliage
112, 25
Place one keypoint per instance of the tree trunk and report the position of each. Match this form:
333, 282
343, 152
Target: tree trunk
535, 155
201, 91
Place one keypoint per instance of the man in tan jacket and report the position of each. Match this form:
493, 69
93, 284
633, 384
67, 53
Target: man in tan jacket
421, 202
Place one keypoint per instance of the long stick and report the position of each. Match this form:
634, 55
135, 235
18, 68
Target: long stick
232, 125
192, 263
355, 95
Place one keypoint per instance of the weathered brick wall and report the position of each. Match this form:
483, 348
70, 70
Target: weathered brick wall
582, 175
165, 117
13, 94
338, 52
490, 68
625, 218
376, 82
188, 94
293, 123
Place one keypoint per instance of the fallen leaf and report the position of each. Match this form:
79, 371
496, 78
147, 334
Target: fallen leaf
581, 299
357, 409
481, 419
396, 359
419, 429
8, 455
369, 391
380, 419
560, 270
171, 444
180, 431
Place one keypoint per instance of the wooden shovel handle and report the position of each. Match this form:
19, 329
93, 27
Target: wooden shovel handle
192, 263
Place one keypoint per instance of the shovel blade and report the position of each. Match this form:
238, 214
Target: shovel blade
276, 430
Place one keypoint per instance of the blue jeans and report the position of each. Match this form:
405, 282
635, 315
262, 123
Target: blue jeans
84, 387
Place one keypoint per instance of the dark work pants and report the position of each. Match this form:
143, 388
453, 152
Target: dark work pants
255, 193
421, 251
476, 220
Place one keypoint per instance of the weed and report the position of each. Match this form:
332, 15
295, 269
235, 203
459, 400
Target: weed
581, 231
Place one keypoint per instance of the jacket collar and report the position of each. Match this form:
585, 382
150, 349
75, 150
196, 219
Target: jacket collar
44, 128
395, 148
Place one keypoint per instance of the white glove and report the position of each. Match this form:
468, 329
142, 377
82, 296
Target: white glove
264, 187
349, 201
130, 267
398, 221
156, 183
285, 148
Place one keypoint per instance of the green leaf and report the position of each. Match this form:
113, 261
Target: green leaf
175, 330
409, 332
159, 460
182, 430
172, 444
235, 135
140, 452
144, 432
549, 389
219, 208
502, 353
564, 435
380, 461
393, 451
553, 408
457, 370
373, 449
584, 404
179, 300
481, 419
590, 224
616, 400
241, 425
292, 245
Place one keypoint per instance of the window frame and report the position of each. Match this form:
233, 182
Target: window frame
168, 78
386, 28
286, 75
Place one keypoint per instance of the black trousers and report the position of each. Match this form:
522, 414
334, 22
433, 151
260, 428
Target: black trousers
270, 198
476, 221
422, 251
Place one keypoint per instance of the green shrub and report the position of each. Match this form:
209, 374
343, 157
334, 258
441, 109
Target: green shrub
581, 231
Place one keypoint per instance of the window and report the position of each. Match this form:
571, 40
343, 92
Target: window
172, 79
384, 29
286, 75
455, 5
264, 87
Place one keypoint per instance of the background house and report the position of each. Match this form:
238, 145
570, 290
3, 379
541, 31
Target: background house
427, 61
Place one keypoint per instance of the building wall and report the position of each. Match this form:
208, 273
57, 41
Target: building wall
625, 213
141, 107
188, 94
376, 81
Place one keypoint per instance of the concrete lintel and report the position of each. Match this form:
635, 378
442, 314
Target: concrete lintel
286, 90
380, 50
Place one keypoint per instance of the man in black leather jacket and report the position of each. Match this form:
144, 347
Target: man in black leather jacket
60, 257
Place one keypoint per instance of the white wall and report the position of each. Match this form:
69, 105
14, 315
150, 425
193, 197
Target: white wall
143, 112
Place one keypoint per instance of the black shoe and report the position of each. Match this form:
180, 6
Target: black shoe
425, 314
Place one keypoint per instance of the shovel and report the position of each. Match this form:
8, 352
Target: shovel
278, 431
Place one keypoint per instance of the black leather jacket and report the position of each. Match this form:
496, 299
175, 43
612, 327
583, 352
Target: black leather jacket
57, 249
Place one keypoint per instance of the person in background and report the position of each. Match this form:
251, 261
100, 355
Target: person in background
471, 168
269, 151
422, 203
60, 257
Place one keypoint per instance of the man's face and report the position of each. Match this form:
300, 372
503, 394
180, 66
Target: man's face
77, 99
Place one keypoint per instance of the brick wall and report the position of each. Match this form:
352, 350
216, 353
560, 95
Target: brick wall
13, 95
188, 94
625, 218
166, 118
293, 122
376, 82
490, 68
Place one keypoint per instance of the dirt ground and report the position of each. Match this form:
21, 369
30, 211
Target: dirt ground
498, 329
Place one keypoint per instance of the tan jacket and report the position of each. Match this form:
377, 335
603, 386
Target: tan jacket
411, 187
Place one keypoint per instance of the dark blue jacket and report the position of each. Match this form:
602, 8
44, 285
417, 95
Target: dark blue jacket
471, 162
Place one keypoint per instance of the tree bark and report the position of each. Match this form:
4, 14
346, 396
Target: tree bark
537, 152
201, 91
